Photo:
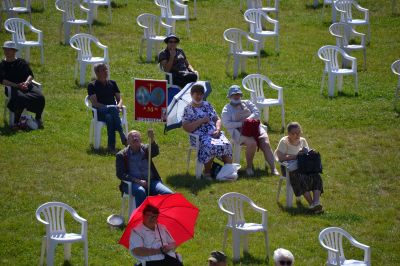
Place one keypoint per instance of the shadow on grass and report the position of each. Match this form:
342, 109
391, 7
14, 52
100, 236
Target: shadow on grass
248, 259
188, 182
99, 23
101, 151
311, 6
37, 10
296, 211
7, 131
117, 5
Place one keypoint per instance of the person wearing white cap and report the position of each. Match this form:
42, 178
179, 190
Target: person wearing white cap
173, 60
16, 73
234, 114
283, 257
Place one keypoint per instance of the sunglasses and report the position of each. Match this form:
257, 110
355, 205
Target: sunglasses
285, 262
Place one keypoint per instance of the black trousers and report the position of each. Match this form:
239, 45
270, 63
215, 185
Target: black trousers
31, 99
181, 79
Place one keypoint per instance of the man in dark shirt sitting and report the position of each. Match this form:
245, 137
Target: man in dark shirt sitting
105, 97
173, 60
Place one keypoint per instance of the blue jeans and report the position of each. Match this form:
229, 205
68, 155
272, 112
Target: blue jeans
110, 115
156, 187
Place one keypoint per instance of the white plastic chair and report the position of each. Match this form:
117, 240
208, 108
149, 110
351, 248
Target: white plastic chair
151, 25
236, 49
167, 75
268, 8
194, 144
53, 217
289, 190
131, 201
179, 10
344, 7
94, 4
171, 18
67, 7
16, 26
232, 204
82, 42
396, 71
254, 83
257, 19
330, 55
96, 125
344, 33
331, 239
9, 7
325, 3
7, 99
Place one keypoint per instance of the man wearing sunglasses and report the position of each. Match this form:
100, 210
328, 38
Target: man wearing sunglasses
283, 257
173, 60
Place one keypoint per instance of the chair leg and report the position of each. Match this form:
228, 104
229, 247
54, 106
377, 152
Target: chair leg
50, 249
41, 55
289, 193
97, 136
123, 206
283, 116
67, 251
279, 188
236, 61
42, 251
340, 83
199, 169
245, 243
243, 64
225, 237
188, 160
365, 58
236, 245
266, 113
86, 251
331, 85
266, 242
236, 152
67, 31
27, 54
82, 73
149, 50
91, 132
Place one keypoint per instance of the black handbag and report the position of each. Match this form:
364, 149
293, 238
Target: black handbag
169, 260
309, 162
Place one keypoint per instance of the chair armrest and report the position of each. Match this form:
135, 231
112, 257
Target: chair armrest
180, 4
252, 40
165, 25
84, 9
275, 87
124, 113
231, 214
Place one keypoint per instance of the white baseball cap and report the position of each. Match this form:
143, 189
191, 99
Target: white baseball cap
10, 45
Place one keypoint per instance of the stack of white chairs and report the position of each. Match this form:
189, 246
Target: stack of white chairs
238, 40
170, 16
16, 26
268, 8
67, 7
82, 42
344, 8
94, 4
151, 25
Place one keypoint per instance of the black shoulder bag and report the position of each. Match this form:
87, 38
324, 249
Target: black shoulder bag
169, 260
309, 162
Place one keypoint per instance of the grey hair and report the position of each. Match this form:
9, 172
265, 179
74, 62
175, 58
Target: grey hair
282, 253
99, 65
293, 125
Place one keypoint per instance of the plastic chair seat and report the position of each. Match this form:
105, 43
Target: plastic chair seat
66, 237
78, 21
353, 47
266, 33
247, 53
94, 59
357, 21
343, 71
354, 262
19, 9
177, 17
30, 43
250, 227
268, 102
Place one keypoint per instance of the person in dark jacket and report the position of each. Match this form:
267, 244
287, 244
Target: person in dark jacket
16, 73
132, 165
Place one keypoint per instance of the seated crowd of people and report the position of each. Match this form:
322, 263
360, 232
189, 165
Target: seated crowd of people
199, 117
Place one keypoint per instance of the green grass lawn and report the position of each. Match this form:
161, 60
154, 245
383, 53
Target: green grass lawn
358, 138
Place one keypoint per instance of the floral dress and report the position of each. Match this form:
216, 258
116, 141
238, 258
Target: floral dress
209, 147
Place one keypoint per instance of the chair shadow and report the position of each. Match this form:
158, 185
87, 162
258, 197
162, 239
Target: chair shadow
101, 151
117, 5
98, 23
300, 209
266, 54
7, 131
249, 259
37, 10
188, 182
311, 6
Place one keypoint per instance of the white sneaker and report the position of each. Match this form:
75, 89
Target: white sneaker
249, 172
275, 172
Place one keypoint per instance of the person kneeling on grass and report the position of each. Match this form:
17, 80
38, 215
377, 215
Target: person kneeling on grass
132, 165
105, 97
288, 148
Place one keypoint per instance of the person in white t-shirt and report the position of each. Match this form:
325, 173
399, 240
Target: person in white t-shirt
302, 184
150, 240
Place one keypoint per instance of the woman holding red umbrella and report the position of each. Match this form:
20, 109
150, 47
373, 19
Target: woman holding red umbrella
151, 242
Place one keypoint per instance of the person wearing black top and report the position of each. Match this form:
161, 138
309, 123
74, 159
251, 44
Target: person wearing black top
16, 73
105, 97
173, 60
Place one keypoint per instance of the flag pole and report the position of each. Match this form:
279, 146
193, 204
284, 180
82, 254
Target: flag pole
149, 159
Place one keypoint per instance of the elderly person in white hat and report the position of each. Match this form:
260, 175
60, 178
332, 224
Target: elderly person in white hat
173, 60
16, 73
233, 116
283, 257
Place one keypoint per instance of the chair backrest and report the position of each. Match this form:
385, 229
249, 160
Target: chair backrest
148, 23
68, 8
17, 27
165, 6
53, 216
345, 5
233, 202
235, 38
254, 17
255, 84
396, 67
82, 43
330, 52
332, 237
342, 32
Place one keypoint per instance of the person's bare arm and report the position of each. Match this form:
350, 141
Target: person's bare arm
94, 101
192, 126
143, 252
285, 157
119, 100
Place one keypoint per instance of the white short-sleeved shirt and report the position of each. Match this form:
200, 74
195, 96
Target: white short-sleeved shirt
286, 148
142, 236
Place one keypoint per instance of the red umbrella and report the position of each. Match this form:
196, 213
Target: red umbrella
176, 213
